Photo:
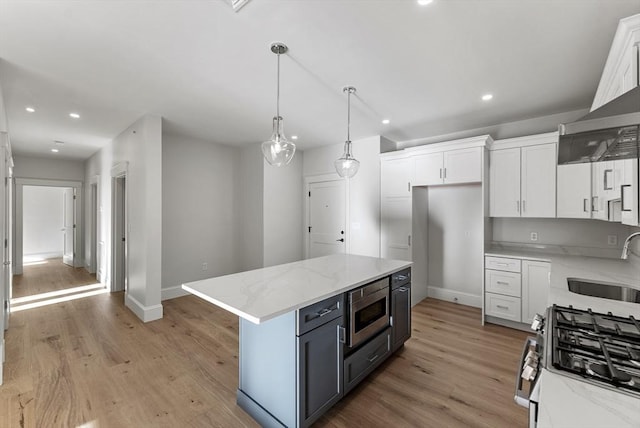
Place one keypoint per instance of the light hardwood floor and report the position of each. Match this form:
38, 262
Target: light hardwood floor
91, 361
49, 275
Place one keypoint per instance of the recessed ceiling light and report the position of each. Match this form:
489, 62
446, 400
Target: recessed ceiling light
55, 150
424, 2
74, 115
294, 137
386, 121
30, 109
487, 97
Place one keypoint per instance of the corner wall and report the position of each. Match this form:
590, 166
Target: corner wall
140, 146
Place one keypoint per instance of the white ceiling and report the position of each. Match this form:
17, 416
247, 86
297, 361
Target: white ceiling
209, 73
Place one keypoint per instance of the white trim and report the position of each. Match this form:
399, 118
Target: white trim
120, 169
145, 313
455, 296
50, 183
529, 140
173, 292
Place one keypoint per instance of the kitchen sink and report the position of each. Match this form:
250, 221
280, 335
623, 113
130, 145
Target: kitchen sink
605, 290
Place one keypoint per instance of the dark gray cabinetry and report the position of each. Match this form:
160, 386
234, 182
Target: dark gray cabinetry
320, 357
400, 308
362, 362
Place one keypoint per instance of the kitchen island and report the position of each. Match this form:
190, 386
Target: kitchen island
301, 330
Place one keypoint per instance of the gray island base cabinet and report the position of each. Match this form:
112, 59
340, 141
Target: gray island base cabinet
293, 368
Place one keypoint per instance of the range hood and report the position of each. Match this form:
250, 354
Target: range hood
610, 132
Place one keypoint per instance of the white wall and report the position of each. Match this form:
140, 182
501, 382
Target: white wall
141, 146
364, 190
282, 210
250, 212
47, 168
455, 243
42, 221
199, 216
560, 231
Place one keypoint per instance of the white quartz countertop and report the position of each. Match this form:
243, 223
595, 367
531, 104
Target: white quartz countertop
566, 401
262, 294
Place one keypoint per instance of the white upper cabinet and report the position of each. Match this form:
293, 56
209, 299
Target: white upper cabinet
574, 191
396, 176
522, 177
621, 71
449, 167
504, 183
429, 169
538, 181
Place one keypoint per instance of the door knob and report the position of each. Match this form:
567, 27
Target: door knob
341, 239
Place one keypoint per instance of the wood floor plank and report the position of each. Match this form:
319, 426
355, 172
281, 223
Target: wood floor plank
92, 361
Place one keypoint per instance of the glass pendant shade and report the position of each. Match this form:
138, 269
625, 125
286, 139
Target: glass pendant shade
347, 166
277, 150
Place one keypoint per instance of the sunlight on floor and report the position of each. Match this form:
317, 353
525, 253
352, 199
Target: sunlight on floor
49, 294
90, 424
51, 301
35, 262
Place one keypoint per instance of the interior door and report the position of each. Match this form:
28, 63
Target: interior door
327, 218
68, 229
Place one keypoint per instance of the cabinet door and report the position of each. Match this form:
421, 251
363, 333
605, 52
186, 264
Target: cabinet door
574, 191
428, 169
401, 315
538, 182
395, 239
599, 204
396, 176
504, 183
463, 166
629, 192
320, 371
535, 288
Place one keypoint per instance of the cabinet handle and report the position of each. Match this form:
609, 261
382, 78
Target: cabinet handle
409, 186
594, 204
523, 206
409, 240
440, 172
501, 264
324, 312
372, 359
445, 173
585, 205
502, 282
502, 307
622, 187
342, 334
517, 206
403, 289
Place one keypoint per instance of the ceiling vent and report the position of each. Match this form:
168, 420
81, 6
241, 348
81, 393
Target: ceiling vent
237, 4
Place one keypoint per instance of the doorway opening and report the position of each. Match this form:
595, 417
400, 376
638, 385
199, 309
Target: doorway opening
48, 258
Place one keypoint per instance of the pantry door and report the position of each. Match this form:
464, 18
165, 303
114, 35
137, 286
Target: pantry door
327, 218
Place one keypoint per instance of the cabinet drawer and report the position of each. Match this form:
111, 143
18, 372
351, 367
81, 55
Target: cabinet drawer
500, 306
402, 277
500, 282
502, 263
366, 359
320, 313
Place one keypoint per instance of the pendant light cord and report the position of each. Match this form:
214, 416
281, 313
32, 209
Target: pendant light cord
348, 115
278, 92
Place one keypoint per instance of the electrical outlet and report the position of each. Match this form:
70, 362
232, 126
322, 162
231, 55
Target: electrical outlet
205, 266
534, 236
612, 240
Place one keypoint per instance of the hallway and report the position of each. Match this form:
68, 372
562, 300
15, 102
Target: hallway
47, 276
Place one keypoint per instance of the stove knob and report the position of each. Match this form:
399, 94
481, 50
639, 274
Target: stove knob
538, 321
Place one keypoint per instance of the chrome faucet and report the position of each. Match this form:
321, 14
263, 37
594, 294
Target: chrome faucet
625, 247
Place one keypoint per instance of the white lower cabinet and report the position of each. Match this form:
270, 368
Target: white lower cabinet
515, 289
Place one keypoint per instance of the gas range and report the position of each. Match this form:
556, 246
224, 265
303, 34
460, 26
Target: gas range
602, 349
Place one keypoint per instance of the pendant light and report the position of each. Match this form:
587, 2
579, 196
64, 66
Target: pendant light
347, 166
278, 151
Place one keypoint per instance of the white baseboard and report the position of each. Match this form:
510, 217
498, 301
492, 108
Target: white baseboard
454, 296
145, 313
173, 292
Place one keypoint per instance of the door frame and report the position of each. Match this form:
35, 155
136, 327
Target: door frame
119, 172
94, 232
18, 236
322, 178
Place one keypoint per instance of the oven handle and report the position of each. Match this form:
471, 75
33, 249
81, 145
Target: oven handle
521, 397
